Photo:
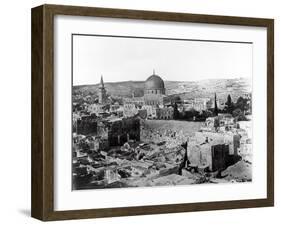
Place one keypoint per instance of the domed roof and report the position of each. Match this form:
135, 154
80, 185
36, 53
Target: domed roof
154, 82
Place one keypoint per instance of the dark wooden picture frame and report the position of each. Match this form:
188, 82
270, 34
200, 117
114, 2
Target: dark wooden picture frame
42, 203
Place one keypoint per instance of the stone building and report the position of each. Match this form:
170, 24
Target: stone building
151, 111
165, 113
129, 110
213, 151
202, 104
115, 107
225, 122
137, 101
154, 91
95, 108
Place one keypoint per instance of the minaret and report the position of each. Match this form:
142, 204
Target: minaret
102, 92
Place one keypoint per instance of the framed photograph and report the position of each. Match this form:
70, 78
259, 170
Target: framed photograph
142, 112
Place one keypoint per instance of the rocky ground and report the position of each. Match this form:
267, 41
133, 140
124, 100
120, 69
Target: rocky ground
158, 160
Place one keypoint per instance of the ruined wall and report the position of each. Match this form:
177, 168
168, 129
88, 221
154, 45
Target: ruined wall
87, 125
99, 144
102, 130
121, 131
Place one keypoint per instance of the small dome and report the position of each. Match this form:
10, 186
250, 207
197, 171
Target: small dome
154, 82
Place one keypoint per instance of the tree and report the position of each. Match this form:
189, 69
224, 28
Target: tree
176, 111
242, 104
229, 105
237, 112
189, 115
239, 115
175, 99
216, 123
216, 111
207, 113
203, 115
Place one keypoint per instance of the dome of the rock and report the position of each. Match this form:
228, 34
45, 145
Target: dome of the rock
154, 82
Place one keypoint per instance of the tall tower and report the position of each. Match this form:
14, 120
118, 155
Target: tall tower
102, 92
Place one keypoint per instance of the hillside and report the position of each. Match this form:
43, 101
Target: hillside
203, 88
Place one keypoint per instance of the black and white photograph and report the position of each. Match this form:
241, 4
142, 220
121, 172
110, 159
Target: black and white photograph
150, 111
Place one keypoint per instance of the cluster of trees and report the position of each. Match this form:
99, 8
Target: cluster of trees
237, 110
191, 115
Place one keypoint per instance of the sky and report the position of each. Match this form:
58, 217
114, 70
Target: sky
124, 59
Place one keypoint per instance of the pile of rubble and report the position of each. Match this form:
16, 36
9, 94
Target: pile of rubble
172, 138
160, 158
133, 164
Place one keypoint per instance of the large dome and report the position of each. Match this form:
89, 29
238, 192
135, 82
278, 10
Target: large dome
154, 82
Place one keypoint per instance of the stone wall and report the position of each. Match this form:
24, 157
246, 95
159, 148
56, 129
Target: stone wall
87, 125
120, 131
213, 157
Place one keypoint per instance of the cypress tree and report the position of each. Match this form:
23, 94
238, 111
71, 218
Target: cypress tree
216, 111
229, 104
